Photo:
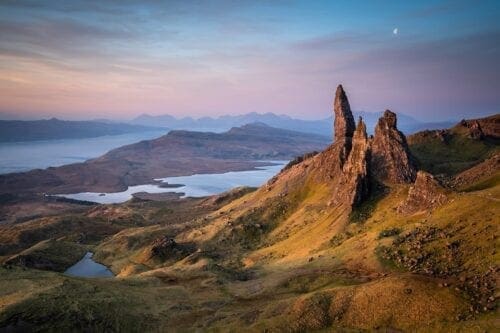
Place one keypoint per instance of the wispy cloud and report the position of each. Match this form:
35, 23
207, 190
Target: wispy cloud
123, 57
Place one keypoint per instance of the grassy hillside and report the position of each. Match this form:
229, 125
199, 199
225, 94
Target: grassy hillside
452, 151
291, 264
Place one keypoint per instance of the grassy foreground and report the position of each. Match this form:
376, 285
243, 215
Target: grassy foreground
293, 265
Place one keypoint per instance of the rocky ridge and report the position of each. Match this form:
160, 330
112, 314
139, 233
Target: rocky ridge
480, 128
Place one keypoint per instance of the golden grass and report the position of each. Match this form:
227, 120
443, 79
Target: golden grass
312, 270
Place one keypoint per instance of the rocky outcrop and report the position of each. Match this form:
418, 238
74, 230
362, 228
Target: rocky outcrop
475, 131
354, 184
478, 129
167, 248
343, 126
344, 122
424, 195
354, 162
391, 160
358, 161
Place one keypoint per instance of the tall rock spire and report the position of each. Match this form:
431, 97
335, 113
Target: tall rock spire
391, 159
353, 184
344, 122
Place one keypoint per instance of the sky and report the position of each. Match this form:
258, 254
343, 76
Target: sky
433, 60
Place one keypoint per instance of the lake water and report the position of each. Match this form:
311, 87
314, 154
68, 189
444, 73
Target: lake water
198, 185
87, 267
24, 156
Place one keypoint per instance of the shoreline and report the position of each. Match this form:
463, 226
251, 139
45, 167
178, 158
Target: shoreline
195, 185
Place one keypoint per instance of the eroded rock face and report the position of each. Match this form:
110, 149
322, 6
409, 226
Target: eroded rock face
344, 122
331, 160
482, 128
354, 162
354, 183
475, 131
391, 160
424, 195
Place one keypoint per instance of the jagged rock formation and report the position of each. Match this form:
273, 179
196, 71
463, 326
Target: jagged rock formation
425, 194
344, 122
343, 126
353, 186
481, 128
475, 131
391, 160
353, 161
385, 158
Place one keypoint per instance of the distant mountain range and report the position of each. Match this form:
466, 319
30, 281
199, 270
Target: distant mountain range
51, 129
323, 126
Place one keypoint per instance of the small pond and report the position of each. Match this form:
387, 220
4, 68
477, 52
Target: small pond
87, 267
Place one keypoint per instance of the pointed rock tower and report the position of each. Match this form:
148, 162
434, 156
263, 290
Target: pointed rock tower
351, 182
344, 122
354, 183
343, 127
391, 160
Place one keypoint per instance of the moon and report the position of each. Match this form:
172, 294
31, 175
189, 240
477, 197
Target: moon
395, 31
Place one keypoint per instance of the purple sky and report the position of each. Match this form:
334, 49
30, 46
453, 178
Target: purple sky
433, 60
